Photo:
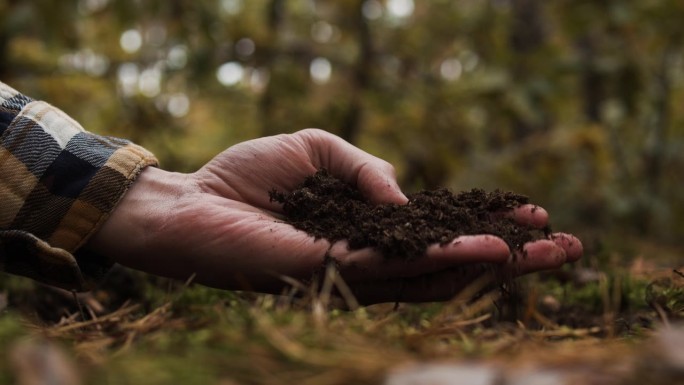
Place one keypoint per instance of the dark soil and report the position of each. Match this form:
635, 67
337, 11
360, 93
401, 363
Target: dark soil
326, 207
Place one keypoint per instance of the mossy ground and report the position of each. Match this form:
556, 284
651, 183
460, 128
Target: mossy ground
598, 315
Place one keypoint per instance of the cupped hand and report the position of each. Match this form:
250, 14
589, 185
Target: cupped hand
219, 224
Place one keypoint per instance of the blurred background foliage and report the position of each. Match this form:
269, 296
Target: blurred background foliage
574, 103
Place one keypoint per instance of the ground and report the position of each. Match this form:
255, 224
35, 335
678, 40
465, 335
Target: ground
597, 325
609, 319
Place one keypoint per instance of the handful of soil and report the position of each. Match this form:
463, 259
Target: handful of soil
326, 207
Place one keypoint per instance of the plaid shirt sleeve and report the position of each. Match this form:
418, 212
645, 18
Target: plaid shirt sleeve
58, 184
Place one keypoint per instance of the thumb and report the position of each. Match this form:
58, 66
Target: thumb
374, 177
378, 183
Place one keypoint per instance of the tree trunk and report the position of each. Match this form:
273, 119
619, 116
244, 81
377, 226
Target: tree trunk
275, 16
656, 144
593, 89
351, 123
527, 35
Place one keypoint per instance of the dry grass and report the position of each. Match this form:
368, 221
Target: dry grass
192, 334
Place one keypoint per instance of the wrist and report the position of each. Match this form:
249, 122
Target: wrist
140, 212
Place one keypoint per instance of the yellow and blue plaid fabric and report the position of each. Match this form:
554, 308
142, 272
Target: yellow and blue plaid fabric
58, 184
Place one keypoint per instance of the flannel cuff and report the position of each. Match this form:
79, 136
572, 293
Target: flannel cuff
58, 184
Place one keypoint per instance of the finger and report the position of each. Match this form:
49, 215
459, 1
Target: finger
445, 284
374, 177
530, 215
471, 248
365, 264
538, 255
377, 181
571, 244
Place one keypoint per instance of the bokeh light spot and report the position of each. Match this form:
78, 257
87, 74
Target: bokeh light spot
372, 9
245, 47
156, 35
178, 105
320, 70
230, 74
131, 41
127, 75
177, 57
451, 69
149, 83
400, 8
322, 32
231, 7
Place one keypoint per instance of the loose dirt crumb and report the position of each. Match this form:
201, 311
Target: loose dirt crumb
326, 207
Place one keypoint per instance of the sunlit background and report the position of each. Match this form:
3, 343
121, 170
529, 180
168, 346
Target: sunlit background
576, 103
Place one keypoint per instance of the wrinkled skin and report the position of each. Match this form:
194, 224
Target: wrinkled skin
219, 224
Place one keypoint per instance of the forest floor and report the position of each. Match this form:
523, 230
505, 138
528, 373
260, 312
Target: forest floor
605, 320
611, 318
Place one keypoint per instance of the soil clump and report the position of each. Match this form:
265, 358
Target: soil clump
326, 207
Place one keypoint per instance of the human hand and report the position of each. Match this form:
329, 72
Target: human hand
220, 224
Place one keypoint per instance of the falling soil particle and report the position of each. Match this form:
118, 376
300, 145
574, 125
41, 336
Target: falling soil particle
326, 207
